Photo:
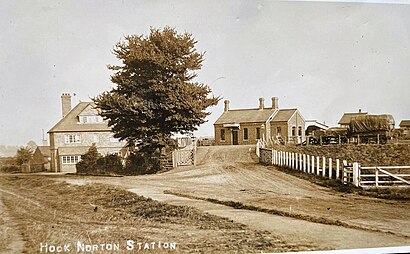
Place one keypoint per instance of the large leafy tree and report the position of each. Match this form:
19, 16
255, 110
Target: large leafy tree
155, 93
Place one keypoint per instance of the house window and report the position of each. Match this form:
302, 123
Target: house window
91, 119
258, 133
222, 134
72, 138
293, 131
279, 131
70, 159
299, 131
245, 133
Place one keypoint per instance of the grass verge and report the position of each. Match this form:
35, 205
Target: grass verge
56, 213
402, 194
240, 205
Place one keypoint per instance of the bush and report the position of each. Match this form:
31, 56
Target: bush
88, 162
140, 164
137, 163
110, 164
9, 165
9, 169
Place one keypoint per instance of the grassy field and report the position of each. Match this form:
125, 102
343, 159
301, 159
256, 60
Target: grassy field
97, 215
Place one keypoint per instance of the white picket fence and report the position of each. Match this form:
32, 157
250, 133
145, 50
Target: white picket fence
337, 169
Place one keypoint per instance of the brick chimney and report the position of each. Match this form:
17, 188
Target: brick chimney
65, 103
226, 102
261, 103
275, 103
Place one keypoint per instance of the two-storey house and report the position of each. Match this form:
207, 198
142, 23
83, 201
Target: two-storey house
74, 134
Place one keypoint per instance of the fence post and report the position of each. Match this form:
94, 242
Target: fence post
280, 158
286, 159
173, 160
292, 162
273, 157
324, 166
308, 163
344, 172
313, 165
318, 165
300, 162
330, 168
304, 162
297, 161
337, 169
376, 176
257, 148
356, 174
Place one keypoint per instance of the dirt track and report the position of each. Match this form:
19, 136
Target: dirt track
230, 173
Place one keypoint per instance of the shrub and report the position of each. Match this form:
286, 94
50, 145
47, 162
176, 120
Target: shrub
110, 164
88, 162
9, 169
139, 164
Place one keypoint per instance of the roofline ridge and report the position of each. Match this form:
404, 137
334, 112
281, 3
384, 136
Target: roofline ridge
68, 114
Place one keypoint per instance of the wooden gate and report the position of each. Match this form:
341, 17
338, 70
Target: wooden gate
184, 157
385, 176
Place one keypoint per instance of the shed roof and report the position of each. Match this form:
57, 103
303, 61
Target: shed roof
348, 116
45, 150
70, 123
405, 123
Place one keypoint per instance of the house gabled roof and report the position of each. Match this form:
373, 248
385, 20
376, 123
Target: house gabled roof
245, 116
404, 123
284, 115
349, 116
70, 123
255, 115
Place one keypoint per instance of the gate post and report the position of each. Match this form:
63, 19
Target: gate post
344, 172
356, 173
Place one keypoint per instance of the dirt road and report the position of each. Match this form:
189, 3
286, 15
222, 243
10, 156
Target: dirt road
10, 238
230, 173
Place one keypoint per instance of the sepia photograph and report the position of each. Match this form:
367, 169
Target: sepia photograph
231, 126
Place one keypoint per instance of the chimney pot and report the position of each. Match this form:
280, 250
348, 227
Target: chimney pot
226, 102
261, 103
65, 103
275, 103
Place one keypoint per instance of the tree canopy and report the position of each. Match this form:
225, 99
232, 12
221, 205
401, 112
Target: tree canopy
155, 93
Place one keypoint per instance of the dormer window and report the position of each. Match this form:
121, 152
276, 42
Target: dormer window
90, 119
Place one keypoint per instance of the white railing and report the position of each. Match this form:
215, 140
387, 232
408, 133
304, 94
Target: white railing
385, 176
379, 176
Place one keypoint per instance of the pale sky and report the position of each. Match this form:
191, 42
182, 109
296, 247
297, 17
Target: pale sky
324, 58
